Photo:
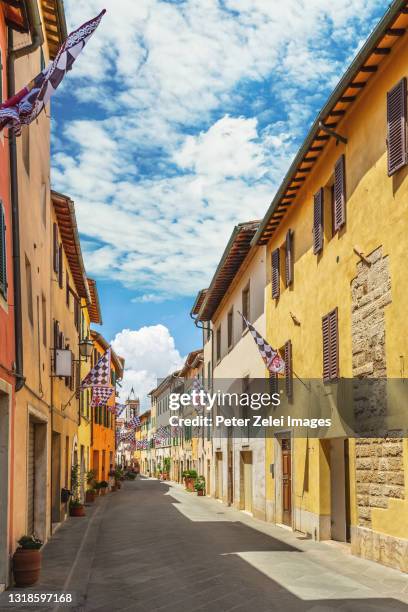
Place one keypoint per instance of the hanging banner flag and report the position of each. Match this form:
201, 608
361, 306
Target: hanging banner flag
272, 359
198, 387
28, 103
162, 433
133, 423
101, 395
100, 375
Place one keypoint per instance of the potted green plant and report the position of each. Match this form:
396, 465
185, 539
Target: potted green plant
118, 477
190, 477
130, 475
103, 486
27, 561
91, 492
166, 469
199, 486
76, 507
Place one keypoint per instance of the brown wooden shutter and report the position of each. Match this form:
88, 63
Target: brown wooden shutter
3, 254
318, 222
330, 346
288, 369
326, 348
289, 258
334, 345
55, 248
339, 194
273, 383
397, 126
60, 267
275, 273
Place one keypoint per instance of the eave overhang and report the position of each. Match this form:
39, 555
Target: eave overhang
378, 46
65, 212
234, 255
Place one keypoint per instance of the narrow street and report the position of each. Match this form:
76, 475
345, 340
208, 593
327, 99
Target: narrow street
153, 546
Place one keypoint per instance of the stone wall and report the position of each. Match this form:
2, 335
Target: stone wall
379, 461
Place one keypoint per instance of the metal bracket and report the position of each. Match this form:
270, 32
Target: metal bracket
332, 133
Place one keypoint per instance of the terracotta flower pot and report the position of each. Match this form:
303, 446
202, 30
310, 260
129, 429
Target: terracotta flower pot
103, 491
113, 488
200, 493
90, 497
189, 482
26, 566
77, 510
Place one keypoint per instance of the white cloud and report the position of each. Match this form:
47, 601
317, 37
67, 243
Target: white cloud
148, 298
150, 354
182, 152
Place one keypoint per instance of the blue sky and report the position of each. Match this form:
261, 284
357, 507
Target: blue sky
178, 121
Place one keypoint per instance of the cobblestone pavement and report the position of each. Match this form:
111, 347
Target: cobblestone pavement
153, 546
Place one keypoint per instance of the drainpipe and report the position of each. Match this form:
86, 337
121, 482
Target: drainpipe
37, 39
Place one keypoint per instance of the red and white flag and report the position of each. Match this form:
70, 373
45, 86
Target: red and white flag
272, 359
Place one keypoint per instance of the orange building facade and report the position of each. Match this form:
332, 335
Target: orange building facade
103, 420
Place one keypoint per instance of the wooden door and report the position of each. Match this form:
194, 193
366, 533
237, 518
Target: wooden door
286, 482
31, 479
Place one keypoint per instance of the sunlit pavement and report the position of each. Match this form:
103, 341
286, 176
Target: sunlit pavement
153, 546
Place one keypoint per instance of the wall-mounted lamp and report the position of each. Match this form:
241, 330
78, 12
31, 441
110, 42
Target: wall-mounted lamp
86, 348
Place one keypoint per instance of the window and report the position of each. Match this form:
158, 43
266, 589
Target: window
77, 316
60, 270
275, 273
397, 126
246, 306
3, 253
25, 143
55, 248
230, 328
289, 258
68, 292
218, 344
288, 369
330, 346
318, 222
29, 290
44, 319
339, 194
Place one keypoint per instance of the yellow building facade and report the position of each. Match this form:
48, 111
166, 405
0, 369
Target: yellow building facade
336, 302
90, 313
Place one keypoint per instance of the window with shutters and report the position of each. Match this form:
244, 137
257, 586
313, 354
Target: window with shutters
60, 267
246, 306
3, 253
44, 319
289, 258
230, 328
397, 126
67, 290
339, 193
318, 218
275, 273
287, 356
55, 248
273, 383
218, 344
330, 335
29, 290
